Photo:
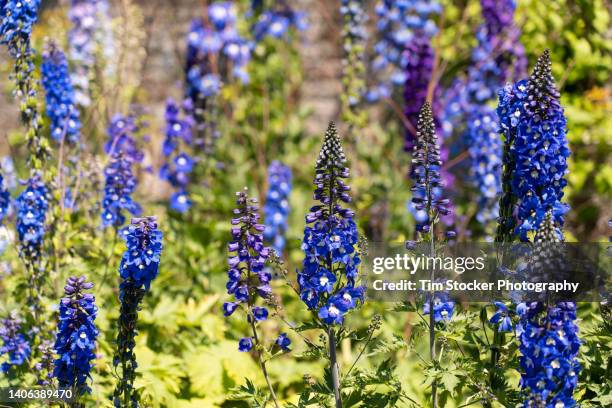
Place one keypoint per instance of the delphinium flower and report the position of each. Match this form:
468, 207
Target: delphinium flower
8, 172
215, 46
45, 365
276, 21
61, 105
426, 164
429, 205
419, 64
122, 133
353, 65
5, 199
14, 344
443, 306
549, 342
248, 280
276, 209
329, 282
87, 18
396, 22
329, 279
119, 185
535, 153
32, 205
179, 166
17, 18
76, 336
502, 318
139, 266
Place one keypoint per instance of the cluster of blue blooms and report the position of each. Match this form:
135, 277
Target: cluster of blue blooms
427, 190
397, 22
502, 317
419, 62
276, 22
122, 133
17, 17
329, 279
549, 346
179, 135
61, 104
534, 126
5, 199
215, 40
120, 183
14, 344
85, 17
443, 306
32, 205
276, 209
497, 57
76, 337
139, 266
247, 278
140, 262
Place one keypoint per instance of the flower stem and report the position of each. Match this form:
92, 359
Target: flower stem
335, 369
262, 363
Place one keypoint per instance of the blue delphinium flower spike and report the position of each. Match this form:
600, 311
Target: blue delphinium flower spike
14, 344
122, 137
534, 127
76, 336
17, 17
427, 191
179, 165
139, 266
396, 24
329, 279
32, 205
5, 198
276, 22
276, 210
120, 183
61, 105
248, 281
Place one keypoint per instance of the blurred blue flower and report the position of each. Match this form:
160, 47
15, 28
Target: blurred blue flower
120, 183
60, 98
14, 344
276, 209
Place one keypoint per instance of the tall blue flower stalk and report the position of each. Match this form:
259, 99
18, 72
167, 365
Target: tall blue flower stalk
535, 153
276, 209
180, 164
61, 105
354, 37
498, 56
5, 199
429, 205
75, 343
248, 281
139, 266
17, 18
548, 335
329, 282
86, 17
120, 183
32, 206
15, 346
396, 24
122, 133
